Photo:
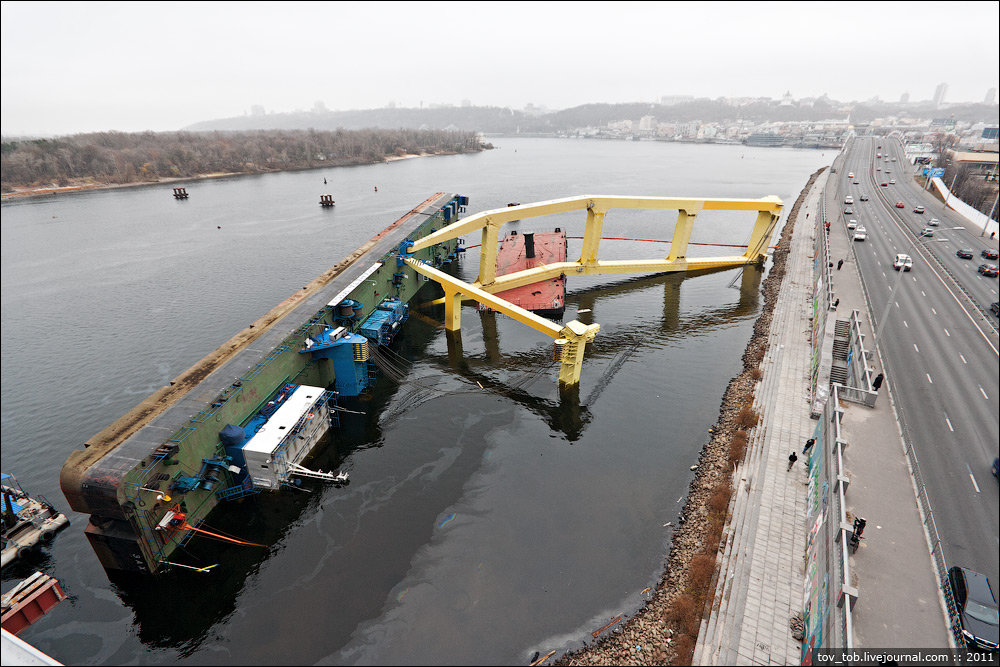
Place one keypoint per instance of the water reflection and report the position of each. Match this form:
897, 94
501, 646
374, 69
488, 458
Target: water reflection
569, 415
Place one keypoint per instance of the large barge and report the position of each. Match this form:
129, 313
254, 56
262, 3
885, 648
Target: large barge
246, 417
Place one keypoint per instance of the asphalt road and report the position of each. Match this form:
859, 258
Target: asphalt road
939, 345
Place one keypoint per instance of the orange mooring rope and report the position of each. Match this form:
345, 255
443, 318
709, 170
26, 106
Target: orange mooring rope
188, 526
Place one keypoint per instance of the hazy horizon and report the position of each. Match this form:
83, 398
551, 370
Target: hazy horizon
72, 67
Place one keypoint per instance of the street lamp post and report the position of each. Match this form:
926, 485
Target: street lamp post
899, 279
948, 196
989, 218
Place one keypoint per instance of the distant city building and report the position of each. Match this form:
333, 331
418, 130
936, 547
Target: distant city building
690, 129
647, 124
786, 99
904, 98
939, 94
990, 134
531, 110
670, 100
256, 110
466, 103
991, 95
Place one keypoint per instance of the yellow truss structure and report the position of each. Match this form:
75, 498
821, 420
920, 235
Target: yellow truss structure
572, 337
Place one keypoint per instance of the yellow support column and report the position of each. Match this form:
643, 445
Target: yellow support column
592, 235
572, 345
452, 309
682, 234
761, 235
488, 253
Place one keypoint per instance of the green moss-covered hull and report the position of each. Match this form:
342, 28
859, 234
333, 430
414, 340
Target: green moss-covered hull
122, 477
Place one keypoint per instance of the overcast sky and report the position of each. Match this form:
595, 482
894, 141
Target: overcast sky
72, 67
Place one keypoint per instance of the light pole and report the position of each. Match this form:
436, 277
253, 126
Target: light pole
948, 196
899, 279
989, 218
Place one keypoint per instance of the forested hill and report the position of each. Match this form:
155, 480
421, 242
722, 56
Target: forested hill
112, 158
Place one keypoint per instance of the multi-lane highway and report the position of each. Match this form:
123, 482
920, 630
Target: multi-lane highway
938, 343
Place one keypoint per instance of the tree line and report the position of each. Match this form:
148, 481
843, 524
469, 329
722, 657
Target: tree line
114, 158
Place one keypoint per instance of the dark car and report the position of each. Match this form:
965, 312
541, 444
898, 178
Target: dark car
989, 253
964, 254
989, 270
995, 307
977, 608
864, 197
848, 211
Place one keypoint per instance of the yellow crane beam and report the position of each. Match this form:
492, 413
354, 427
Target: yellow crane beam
571, 339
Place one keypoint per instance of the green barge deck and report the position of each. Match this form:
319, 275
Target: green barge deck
125, 476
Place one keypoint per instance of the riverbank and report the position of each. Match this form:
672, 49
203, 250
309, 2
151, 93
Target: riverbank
20, 192
665, 630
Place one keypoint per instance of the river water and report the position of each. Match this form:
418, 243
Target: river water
485, 518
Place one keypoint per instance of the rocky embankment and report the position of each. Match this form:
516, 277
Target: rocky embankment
666, 629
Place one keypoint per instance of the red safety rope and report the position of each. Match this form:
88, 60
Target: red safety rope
188, 526
618, 238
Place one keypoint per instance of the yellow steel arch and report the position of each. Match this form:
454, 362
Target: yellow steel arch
572, 338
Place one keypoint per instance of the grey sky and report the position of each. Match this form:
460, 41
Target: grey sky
90, 66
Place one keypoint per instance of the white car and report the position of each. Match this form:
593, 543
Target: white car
933, 222
902, 263
852, 223
848, 199
860, 234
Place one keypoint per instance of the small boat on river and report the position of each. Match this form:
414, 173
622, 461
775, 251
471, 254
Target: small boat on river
27, 522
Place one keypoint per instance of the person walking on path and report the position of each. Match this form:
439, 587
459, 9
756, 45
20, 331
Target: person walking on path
809, 443
792, 458
840, 263
878, 381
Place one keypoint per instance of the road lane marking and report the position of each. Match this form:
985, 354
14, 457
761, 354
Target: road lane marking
948, 421
929, 378
972, 477
983, 392
962, 358
916, 348
947, 334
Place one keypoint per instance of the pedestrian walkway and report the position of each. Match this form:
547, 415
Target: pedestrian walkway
899, 603
762, 568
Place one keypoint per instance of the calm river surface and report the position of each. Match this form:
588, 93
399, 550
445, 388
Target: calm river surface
480, 524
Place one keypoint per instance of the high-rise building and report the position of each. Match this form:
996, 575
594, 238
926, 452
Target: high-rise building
939, 94
904, 98
991, 95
